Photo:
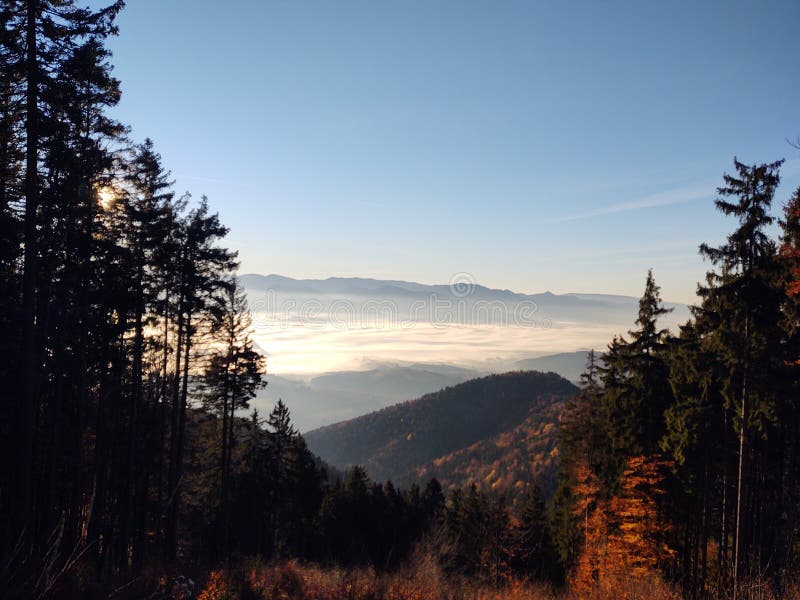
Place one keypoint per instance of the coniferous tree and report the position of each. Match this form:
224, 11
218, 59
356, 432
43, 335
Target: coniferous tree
790, 409
12, 152
636, 386
740, 308
231, 379
202, 268
585, 425
497, 550
433, 502
535, 549
583, 442
67, 87
694, 442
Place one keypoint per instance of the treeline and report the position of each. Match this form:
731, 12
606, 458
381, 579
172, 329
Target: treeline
282, 503
118, 306
681, 454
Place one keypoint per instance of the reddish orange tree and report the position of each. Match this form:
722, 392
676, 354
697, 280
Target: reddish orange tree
591, 510
624, 536
638, 541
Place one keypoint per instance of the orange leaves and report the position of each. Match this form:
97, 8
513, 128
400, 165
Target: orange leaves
422, 580
216, 588
624, 535
790, 250
793, 288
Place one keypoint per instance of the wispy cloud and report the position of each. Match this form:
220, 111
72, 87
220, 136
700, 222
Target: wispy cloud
667, 198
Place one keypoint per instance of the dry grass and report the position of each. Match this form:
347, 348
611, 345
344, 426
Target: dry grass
422, 580
295, 581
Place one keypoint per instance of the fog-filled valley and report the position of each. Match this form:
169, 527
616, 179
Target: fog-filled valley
341, 347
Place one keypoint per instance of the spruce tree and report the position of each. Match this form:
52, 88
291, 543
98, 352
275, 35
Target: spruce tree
584, 430
694, 443
740, 308
636, 386
202, 270
583, 441
64, 77
231, 379
790, 408
536, 552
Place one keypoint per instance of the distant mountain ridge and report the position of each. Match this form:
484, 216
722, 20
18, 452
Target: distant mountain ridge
571, 307
370, 286
405, 441
569, 365
334, 396
354, 285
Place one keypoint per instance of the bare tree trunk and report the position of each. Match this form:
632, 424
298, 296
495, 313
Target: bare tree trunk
175, 440
164, 394
722, 555
231, 441
181, 439
223, 525
740, 475
30, 398
129, 501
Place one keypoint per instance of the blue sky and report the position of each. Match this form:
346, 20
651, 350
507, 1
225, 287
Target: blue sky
563, 146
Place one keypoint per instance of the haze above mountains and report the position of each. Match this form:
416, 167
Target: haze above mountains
339, 348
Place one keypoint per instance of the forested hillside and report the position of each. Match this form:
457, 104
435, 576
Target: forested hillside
507, 462
680, 453
392, 443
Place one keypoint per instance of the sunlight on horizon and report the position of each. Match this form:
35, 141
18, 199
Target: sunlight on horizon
299, 350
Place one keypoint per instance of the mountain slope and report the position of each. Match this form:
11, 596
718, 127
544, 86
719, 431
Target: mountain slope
506, 461
394, 442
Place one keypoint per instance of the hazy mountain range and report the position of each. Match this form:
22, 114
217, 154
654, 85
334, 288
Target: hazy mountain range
339, 347
572, 307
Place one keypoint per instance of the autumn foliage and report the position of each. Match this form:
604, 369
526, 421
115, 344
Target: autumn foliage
216, 588
421, 580
791, 247
623, 536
